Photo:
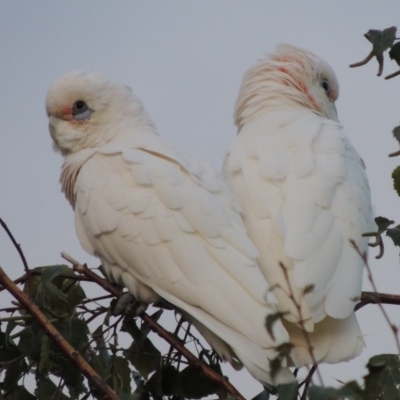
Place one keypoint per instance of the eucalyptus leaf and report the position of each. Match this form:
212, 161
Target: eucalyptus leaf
396, 179
47, 390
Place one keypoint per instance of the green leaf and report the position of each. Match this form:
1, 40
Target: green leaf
129, 396
121, 374
20, 393
394, 54
97, 364
264, 395
322, 393
382, 223
383, 377
47, 390
308, 289
271, 319
396, 131
45, 363
396, 179
9, 328
155, 316
170, 381
166, 382
8, 350
394, 234
142, 354
49, 273
142, 393
102, 347
288, 391
154, 387
66, 370
75, 295
381, 40
30, 341
195, 384
53, 294
74, 330
13, 374
283, 352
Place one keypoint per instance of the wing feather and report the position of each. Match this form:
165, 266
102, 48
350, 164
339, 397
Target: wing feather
166, 233
307, 189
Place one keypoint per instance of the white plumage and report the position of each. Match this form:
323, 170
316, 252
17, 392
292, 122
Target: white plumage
162, 223
304, 194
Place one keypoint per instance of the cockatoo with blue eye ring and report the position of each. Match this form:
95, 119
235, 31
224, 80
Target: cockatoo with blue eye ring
305, 195
163, 224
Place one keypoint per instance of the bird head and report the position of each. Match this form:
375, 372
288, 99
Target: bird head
87, 109
289, 77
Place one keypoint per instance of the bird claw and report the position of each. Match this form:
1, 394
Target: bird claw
128, 305
140, 309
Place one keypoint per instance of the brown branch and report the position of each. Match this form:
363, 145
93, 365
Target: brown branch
55, 336
378, 242
371, 279
396, 153
33, 272
390, 76
17, 246
376, 298
301, 321
307, 382
159, 330
363, 62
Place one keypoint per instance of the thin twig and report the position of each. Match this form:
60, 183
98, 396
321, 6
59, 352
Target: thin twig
167, 336
363, 62
57, 338
394, 154
370, 278
301, 321
375, 298
178, 327
390, 76
18, 247
33, 272
378, 242
307, 381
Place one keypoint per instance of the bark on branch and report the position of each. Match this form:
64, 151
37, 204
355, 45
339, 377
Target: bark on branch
222, 381
57, 338
377, 298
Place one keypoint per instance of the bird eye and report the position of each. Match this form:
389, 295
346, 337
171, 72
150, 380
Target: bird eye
325, 86
80, 110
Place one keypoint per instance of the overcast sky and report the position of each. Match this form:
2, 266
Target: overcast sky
185, 60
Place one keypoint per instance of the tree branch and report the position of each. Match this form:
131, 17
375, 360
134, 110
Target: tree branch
25, 277
377, 298
167, 336
55, 336
18, 247
393, 327
390, 76
363, 62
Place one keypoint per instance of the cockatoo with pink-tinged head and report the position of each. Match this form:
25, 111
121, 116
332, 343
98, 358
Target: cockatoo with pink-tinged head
162, 223
305, 195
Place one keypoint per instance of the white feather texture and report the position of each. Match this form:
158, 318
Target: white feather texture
162, 223
305, 195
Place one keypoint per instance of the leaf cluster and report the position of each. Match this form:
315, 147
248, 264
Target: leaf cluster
381, 383
136, 370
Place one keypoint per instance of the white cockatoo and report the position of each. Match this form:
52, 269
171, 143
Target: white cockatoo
305, 195
162, 223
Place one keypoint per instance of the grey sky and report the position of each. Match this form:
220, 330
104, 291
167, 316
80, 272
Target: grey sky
185, 60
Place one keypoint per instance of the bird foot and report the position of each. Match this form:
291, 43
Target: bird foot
128, 305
